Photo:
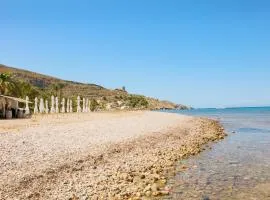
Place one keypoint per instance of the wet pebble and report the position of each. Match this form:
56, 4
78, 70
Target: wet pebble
205, 198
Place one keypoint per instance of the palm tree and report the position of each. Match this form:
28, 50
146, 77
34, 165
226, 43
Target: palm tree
6, 83
23, 89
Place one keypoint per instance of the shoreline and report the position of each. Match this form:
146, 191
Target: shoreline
125, 155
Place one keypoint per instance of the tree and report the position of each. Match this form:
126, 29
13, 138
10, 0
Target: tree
93, 105
124, 88
6, 83
57, 87
24, 89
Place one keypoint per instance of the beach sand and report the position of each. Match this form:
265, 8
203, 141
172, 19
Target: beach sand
117, 155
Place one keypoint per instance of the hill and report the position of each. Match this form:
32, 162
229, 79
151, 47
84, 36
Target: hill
35, 84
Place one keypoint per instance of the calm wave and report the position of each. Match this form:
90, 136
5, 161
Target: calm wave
235, 168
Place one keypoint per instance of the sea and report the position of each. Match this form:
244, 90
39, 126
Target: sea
237, 167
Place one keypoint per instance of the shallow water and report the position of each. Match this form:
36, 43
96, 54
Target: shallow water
237, 167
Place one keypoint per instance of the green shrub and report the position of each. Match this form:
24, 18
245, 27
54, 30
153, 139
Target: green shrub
136, 101
93, 105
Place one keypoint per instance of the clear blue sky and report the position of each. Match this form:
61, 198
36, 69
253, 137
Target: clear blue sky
203, 53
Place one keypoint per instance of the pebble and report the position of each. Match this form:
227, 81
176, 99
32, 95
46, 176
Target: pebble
154, 187
138, 169
205, 198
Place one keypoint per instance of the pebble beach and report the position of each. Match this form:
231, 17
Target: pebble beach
110, 155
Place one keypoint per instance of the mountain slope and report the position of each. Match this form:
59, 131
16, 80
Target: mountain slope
103, 98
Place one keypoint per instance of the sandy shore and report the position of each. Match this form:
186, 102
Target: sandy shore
98, 155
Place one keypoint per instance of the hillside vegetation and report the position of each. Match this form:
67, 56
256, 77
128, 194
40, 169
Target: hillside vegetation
38, 85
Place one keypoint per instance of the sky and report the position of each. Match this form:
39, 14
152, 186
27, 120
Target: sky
202, 53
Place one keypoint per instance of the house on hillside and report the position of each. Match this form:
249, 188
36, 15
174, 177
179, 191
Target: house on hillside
9, 107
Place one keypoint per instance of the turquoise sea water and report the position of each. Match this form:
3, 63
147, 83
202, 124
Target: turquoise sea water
237, 167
